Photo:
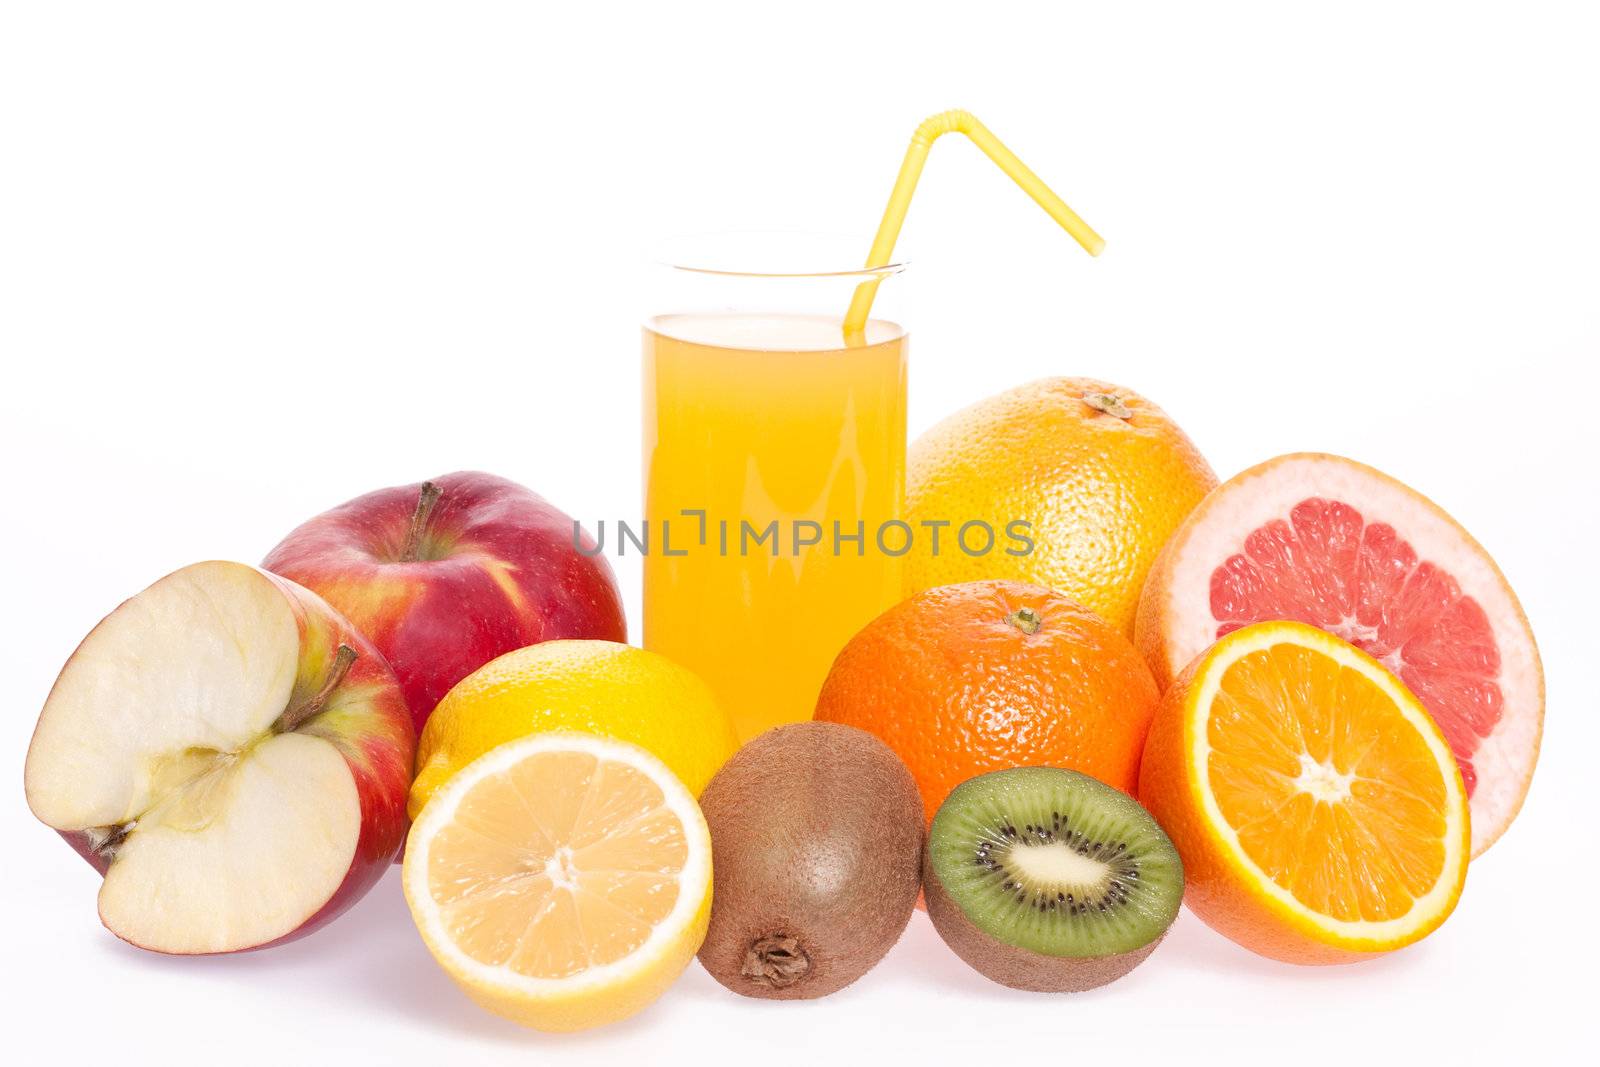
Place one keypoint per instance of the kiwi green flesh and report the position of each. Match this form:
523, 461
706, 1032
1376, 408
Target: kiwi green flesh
1055, 863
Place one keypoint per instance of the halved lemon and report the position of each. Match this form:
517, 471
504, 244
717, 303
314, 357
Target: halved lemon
563, 880
1317, 807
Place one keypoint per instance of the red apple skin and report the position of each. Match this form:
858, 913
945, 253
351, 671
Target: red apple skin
367, 720
497, 570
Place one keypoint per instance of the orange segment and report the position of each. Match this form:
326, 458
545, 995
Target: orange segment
557, 866
1316, 806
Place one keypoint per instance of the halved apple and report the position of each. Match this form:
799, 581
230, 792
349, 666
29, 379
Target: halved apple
231, 755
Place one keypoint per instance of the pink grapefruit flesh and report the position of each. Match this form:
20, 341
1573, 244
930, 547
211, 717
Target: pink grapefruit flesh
1327, 541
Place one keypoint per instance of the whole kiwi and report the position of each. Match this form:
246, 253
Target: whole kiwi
816, 857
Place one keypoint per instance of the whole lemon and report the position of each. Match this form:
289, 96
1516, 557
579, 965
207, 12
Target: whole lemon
1101, 476
596, 687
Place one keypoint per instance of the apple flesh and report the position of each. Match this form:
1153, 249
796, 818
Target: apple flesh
231, 754
447, 575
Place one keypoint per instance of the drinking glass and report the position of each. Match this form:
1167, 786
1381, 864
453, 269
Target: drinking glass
774, 465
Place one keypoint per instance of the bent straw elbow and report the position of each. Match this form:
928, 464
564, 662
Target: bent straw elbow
927, 132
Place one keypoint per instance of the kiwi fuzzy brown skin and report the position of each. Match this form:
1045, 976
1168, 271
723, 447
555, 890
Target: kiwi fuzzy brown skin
1021, 968
816, 858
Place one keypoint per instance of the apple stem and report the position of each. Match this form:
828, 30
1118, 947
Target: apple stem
297, 716
426, 499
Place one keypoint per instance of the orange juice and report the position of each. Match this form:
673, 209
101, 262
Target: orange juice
774, 453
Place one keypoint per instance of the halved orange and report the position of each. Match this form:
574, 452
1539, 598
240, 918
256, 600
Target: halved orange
563, 880
1317, 808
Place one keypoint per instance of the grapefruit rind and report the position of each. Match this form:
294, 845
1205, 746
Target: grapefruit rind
1429, 910
1175, 624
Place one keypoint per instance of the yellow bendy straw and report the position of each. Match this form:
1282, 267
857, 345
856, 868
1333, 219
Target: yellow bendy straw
894, 216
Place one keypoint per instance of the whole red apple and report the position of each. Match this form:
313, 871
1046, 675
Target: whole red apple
231, 755
447, 575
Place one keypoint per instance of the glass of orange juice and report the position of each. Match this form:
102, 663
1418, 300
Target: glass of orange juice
774, 460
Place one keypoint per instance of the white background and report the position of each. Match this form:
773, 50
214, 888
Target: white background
257, 259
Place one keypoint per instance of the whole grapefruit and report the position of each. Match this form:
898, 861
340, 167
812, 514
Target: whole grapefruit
964, 679
1101, 475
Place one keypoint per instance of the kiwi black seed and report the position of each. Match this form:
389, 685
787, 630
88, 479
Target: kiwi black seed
816, 857
1049, 880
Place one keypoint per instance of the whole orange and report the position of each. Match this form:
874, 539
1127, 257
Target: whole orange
965, 679
1101, 474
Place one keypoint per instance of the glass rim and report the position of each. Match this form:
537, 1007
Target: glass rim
671, 254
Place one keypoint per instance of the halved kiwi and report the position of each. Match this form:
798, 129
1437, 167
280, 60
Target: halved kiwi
1047, 879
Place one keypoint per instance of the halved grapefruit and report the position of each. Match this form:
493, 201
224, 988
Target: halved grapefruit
1328, 541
